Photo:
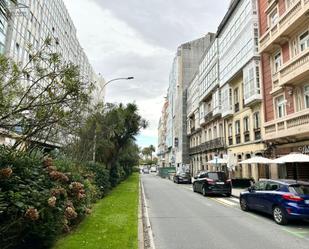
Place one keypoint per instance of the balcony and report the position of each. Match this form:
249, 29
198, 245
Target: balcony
208, 117
296, 69
291, 19
217, 111
296, 124
227, 112
252, 97
213, 144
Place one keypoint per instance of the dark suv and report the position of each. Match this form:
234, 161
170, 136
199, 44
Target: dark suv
212, 183
182, 177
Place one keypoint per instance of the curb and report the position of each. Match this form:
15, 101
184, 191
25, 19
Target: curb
140, 221
146, 217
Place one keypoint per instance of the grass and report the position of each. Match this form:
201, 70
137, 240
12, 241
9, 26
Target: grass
112, 224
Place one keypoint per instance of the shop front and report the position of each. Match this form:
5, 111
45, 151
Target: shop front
295, 170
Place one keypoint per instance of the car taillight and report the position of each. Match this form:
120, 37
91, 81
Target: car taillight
292, 197
210, 181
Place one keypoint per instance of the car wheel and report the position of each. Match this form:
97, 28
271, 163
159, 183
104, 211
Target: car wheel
228, 194
177, 181
194, 187
279, 216
243, 204
204, 191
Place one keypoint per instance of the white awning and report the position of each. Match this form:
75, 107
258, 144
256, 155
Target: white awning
217, 161
257, 159
293, 158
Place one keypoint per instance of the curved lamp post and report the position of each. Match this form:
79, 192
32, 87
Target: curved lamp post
95, 133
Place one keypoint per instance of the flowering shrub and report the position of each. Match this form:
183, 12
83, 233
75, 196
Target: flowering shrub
40, 198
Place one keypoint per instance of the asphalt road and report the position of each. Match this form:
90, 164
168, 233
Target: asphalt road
182, 219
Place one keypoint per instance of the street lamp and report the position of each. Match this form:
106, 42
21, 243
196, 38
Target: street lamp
95, 131
127, 78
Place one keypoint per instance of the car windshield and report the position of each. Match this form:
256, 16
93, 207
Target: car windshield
301, 189
217, 176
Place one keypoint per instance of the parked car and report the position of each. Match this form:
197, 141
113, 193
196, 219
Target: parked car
145, 170
212, 183
182, 177
284, 199
153, 169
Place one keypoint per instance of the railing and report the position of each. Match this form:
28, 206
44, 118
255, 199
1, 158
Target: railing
284, 22
293, 124
208, 117
209, 145
297, 64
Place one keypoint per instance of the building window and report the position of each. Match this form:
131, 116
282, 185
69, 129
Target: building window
304, 41
246, 129
230, 133
237, 131
306, 93
215, 132
280, 106
298, 99
236, 99
273, 17
277, 62
257, 125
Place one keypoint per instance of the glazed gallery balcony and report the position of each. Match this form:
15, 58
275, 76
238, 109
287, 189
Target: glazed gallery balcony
213, 144
287, 23
296, 124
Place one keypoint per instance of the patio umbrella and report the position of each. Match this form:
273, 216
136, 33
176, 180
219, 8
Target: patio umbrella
217, 161
257, 159
293, 158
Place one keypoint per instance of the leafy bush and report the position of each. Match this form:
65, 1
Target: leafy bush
101, 177
40, 199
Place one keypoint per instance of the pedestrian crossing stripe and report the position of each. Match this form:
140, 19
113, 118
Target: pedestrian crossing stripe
226, 202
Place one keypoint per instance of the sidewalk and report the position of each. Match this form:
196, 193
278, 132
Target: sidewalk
236, 191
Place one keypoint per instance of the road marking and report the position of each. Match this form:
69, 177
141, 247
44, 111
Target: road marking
224, 201
234, 199
149, 229
297, 234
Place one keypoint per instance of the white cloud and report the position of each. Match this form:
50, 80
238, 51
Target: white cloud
139, 38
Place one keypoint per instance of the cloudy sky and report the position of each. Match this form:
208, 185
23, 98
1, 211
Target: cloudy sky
139, 38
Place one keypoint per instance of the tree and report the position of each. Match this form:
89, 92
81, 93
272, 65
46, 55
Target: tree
146, 152
151, 149
114, 128
43, 98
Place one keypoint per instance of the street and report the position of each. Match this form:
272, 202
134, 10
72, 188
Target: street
182, 219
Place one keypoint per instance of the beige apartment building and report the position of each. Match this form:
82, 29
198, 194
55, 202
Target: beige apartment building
240, 85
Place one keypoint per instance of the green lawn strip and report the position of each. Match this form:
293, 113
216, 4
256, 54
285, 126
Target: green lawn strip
112, 224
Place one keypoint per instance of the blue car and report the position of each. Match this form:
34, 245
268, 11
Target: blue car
284, 199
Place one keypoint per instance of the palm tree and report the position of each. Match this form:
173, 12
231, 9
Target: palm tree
151, 149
